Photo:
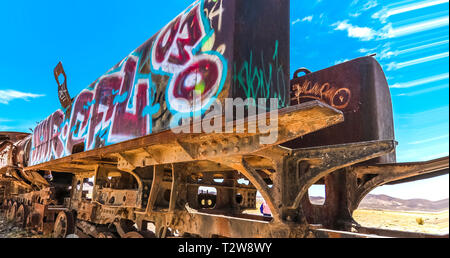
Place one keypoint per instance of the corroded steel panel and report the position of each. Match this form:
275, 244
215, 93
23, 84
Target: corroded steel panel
359, 89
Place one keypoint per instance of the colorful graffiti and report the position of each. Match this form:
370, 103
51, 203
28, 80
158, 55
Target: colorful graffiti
176, 53
153, 83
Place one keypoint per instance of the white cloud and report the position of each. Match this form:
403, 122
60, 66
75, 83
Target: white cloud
296, 21
427, 90
307, 19
389, 32
7, 95
367, 50
385, 13
430, 139
5, 128
395, 65
362, 33
340, 61
421, 81
369, 5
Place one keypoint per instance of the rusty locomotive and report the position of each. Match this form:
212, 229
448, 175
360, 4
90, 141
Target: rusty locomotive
110, 164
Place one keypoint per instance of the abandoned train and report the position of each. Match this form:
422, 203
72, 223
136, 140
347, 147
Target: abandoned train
110, 164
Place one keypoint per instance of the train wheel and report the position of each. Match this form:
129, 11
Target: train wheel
21, 215
64, 225
11, 213
106, 235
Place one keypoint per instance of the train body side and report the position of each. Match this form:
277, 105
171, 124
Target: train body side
213, 47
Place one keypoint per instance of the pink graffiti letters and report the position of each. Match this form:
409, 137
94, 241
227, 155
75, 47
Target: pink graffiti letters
99, 116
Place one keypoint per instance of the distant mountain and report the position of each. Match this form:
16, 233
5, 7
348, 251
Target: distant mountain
385, 202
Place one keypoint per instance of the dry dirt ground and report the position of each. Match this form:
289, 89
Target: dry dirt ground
433, 222
9, 230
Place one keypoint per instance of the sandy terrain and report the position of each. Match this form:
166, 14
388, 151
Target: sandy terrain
433, 222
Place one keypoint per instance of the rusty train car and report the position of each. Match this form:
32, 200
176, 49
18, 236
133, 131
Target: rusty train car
128, 156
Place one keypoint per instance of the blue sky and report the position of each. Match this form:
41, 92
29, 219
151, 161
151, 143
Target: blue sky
410, 39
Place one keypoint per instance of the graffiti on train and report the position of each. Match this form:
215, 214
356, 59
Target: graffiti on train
152, 84
176, 53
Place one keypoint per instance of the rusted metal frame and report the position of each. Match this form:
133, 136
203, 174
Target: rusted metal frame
63, 93
158, 175
395, 233
319, 116
207, 225
276, 154
386, 173
175, 188
123, 158
333, 158
242, 166
123, 226
404, 168
328, 233
150, 155
262, 186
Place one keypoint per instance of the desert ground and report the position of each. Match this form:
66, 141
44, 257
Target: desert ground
430, 222
423, 222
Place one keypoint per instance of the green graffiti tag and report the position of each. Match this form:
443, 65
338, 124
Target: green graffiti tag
266, 80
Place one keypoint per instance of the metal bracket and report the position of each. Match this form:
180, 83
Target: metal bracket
63, 93
306, 166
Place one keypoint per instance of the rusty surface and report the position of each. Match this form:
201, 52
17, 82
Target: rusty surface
63, 92
359, 89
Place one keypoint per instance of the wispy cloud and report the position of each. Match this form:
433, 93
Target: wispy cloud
369, 5
396, 66
385, 12
340, 61
418, 92
389, 32
366, 6
308, 18
366, 50
421, 81
362, 33
5, 128
387, 53
304, 19
7, 95
430, 139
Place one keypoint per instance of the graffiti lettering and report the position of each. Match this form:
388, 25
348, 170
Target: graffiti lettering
336, 97
216, 12
176, 53
265, 80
